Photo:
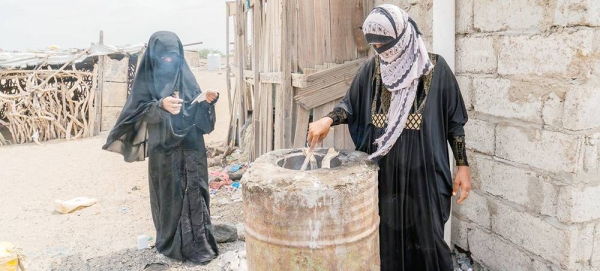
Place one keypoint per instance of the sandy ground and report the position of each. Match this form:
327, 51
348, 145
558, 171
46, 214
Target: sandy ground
103, 236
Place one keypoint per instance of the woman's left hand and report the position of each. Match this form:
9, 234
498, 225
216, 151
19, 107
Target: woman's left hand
462, 180
211, 96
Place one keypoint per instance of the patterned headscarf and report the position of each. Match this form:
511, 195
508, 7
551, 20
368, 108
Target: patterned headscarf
403, 60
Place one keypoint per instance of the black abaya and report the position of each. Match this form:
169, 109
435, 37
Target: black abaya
174, 144
415, 183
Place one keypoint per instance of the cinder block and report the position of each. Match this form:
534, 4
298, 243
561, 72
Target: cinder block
577, 13
579, 204
595, 261
582, 107
422, 13
498, 97
475, 209
553, 110
498, 254
480, 136
476, 55
555, 242
466, 89
596, 46
492, 15
114, 94
460, 231
547, 55
464, 16
520, 186
551, 151
115, 70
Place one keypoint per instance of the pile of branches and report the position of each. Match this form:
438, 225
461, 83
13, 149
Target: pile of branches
44, 103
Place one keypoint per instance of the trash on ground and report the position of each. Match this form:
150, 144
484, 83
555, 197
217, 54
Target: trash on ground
65, 207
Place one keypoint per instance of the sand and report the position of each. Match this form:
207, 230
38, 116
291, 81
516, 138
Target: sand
103, 236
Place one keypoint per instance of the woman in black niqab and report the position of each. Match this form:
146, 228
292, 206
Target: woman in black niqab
159, 121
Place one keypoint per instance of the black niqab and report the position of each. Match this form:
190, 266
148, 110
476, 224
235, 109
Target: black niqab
162, 72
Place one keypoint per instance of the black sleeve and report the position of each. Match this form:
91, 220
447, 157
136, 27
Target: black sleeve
339, 116
205, 117
456, 113
457, 143
345, 109
155, 113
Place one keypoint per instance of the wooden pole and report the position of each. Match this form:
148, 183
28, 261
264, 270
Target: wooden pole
257, 67
99, 88
288, 18
241, 44
227, 65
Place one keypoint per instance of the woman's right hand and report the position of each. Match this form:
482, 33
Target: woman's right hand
172, 105
318, 130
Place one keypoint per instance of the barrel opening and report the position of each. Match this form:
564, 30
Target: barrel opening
294, 162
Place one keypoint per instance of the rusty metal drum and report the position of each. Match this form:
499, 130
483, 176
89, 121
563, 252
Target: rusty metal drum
320, 219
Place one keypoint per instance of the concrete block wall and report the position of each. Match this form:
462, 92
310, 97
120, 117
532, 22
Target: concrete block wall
529, 71
114, 91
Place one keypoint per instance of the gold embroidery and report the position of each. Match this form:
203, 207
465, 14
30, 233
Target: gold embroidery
379, 120
414, 121
457, 143
379, 115
339, 116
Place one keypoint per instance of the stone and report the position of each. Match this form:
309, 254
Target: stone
582, 107
156, 267
480, 136
551, 151
552, 111
464, 16
476, 55
236, 176
422, 13
240, 231
492, 15
460, 230
497, 254
474, 209
243, 265
577, 13
226, 259
225, 232
548, 238
556, 54
498, 98
579, 204
595, 260
466, 89
526, 188
242, 254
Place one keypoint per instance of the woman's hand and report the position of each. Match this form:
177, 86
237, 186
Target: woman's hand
318, 130
462, 180
211, 96
172, 105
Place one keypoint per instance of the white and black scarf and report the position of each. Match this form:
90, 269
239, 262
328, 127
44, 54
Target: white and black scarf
403, 60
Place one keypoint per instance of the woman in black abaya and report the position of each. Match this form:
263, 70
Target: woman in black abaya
160, 121
403, 108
